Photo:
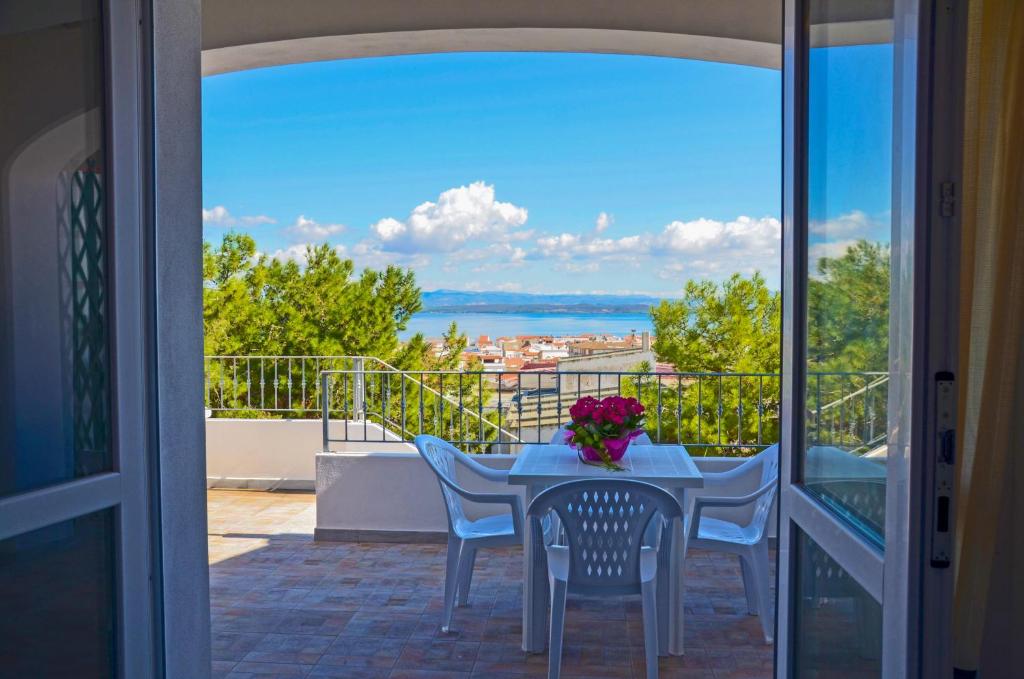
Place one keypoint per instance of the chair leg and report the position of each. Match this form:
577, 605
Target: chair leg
466, 562
451, 574
749, 586
650, 612
558, 594
761, 578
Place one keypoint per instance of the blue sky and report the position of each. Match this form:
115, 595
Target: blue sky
532, 172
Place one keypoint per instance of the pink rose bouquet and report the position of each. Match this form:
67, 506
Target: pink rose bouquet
601, 430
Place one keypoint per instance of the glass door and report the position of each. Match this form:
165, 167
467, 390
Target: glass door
855, 366
76, 580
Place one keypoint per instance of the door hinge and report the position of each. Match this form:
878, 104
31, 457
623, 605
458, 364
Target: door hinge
947, 199
945, 459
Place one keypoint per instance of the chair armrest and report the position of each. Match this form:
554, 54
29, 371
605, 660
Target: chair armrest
699, 503
728, 477
511, 499
495, 475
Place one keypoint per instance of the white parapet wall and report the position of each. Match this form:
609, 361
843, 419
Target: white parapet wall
281, 454
395, 497
374, 490
391, 496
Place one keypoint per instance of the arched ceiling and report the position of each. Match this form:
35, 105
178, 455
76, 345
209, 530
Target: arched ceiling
244, 34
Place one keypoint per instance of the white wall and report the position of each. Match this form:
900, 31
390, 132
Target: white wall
368, 495
365, 490
279, 454
388, 492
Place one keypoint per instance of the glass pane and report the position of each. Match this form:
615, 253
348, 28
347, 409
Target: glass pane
60, 581
850, 102
54, 357
838, 625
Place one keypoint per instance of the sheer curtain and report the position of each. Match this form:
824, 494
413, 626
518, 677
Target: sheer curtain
989, 595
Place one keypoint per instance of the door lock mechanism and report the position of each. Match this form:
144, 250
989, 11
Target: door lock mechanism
945, 461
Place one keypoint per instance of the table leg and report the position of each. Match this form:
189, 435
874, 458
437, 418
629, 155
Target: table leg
676, 582
535, 581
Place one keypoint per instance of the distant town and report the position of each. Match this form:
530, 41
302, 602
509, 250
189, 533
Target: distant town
559, 353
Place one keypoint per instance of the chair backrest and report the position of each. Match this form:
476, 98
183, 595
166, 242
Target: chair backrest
440, 456
769, 475
604, 522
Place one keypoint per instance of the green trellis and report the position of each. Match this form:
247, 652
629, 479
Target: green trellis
89, 320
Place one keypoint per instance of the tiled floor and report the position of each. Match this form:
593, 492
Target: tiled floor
285, 606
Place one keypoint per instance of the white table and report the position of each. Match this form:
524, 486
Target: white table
670, 467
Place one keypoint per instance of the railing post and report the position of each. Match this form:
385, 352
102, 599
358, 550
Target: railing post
358, 387
325, 411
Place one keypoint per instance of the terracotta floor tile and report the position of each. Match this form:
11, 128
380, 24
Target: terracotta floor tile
285, 606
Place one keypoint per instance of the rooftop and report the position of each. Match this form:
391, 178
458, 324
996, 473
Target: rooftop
286, 606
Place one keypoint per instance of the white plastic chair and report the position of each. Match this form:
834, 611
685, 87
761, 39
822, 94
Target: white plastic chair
559, 437
465, 536
604, 522
728, 517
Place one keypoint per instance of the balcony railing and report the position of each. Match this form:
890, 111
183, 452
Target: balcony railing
710, 413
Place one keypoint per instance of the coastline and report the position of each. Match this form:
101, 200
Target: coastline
433, 323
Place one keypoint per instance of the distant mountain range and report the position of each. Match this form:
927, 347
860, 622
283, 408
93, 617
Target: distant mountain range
458, 301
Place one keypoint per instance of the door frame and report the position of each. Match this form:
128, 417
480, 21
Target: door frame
927, 145
125, 488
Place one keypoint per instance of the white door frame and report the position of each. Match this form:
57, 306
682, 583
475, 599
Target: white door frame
915, 596
124, 489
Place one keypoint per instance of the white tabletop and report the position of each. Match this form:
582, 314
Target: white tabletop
662, 465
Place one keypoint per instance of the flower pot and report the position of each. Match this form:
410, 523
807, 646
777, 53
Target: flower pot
616, 449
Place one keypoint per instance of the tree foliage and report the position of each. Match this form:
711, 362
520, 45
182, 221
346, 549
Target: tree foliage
734, 328
254, 304
729, 327
848, 310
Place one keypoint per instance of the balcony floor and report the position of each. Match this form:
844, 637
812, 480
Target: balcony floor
285, 606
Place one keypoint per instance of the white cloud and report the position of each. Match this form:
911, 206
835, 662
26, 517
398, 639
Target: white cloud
477, 286
603, 221
833, 237
460, 215
579, 267
568, 245
742, 235
509, 287
851, 225
369, 254
701, 248
307, 229
494, 257
830, 249
219, 215
297, 253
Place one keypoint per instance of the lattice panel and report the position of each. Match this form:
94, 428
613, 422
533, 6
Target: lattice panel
604, 528
87, 262
769, 474
442, 457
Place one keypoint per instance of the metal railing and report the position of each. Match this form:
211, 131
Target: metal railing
499, 411
848, 410
369, 400
269, 386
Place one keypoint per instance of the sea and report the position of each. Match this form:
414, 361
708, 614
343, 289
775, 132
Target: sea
434, 324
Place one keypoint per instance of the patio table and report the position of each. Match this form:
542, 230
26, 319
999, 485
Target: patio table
667, 466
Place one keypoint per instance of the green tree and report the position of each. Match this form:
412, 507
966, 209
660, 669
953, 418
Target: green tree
848, 347
729, 327
848, 310
254, 306
728, 336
